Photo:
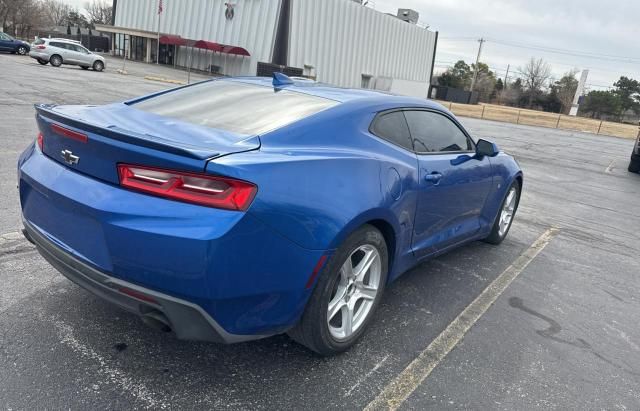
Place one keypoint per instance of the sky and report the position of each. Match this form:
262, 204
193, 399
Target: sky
561, 32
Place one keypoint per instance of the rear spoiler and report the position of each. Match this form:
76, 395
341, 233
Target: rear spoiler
157, 143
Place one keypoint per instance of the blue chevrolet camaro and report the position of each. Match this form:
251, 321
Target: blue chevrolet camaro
236, 209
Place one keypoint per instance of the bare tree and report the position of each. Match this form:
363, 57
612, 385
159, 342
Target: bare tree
18, 17
8, 12
99, 11
535, 74
31, 16
56, 11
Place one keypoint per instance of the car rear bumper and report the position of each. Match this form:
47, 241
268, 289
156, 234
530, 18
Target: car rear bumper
189, 321
38, 56
241, 273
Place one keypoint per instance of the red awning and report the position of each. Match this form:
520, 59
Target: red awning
203, 44
239, 51
174, 40
221, 48
208, 45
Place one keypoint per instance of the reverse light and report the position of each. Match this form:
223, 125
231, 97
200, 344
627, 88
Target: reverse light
40, 141
65, 132
202, 189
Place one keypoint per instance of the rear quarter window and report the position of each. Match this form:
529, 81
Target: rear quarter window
233, 106
393, 128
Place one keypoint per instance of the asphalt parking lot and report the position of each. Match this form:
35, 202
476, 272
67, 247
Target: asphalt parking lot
563, 334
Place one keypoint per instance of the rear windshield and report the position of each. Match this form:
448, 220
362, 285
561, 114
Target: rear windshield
38, 42
236, 107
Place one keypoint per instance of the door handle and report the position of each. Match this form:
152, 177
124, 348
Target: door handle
433, 177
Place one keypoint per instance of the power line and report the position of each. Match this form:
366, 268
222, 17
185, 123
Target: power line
574, 53
458, 38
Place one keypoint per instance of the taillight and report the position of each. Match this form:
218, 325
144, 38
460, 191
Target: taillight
40, 141
41, 47
202, 189
65, 132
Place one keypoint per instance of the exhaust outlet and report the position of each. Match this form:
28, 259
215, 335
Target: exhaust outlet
156, 319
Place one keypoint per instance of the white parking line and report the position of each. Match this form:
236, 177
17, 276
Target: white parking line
401, 387
609, 167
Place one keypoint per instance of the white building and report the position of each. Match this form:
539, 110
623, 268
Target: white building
339, 42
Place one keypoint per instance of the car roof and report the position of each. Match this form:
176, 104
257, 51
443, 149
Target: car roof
343, 95
63, 40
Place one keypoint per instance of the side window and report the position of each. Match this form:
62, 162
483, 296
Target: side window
56, 44
433, 132
4, 36
393, 128
79, 49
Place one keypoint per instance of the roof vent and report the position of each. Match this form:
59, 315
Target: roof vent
408, 15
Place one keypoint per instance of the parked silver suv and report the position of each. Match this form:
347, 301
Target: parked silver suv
65, 51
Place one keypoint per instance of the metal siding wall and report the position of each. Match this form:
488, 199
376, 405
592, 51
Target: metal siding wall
344, 40
253, 27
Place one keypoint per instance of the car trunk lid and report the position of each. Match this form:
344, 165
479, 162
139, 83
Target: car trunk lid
94, 139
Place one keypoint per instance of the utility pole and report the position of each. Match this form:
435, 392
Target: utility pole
506, 76
475, 71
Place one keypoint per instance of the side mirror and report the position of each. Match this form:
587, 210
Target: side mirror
486, 148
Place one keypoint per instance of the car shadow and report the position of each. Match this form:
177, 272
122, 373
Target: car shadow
415, 309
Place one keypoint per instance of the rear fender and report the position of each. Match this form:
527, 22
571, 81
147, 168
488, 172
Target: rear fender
308, 196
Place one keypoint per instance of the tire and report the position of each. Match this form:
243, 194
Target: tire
55, 60
498, 231
43, 62
22, 50
634, 164
84, 67
329, 336
98, 66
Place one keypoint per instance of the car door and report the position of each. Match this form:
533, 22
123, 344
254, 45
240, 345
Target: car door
83, 55
73, 57
60, 49
451, 193
5, 42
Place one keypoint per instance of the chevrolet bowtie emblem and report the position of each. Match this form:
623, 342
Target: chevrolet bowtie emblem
69, 158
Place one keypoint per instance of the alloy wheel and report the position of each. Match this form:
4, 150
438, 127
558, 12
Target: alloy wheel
355, 291
508, 208
22, 51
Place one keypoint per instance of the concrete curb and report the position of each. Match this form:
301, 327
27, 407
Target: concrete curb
165, 80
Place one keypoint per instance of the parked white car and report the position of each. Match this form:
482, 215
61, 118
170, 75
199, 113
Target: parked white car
65, 51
